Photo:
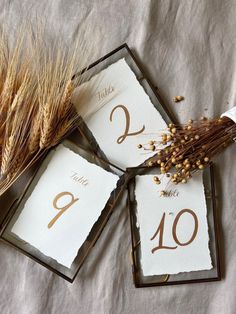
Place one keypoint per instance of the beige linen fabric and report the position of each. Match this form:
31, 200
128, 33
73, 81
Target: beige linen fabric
188, 48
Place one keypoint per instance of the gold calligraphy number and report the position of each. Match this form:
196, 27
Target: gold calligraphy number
63, 209
121, 138
161, 226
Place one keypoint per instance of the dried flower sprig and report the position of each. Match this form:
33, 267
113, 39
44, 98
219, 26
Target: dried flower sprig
36, 109
190, 147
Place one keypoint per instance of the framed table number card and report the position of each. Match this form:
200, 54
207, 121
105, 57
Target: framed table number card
121, 108
175, 232
63, 211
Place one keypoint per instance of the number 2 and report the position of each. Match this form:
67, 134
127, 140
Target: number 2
127, 126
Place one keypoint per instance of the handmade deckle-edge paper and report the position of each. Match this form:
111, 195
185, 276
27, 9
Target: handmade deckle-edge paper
119, 114
173, 228
66, 202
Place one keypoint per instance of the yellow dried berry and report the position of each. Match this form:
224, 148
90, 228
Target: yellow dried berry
178, 98
156, 180
187, 166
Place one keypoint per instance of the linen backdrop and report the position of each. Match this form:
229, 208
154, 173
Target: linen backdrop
188, 48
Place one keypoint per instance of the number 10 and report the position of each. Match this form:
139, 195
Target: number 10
161, 226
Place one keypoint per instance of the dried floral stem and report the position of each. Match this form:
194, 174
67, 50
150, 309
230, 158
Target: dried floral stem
191, 147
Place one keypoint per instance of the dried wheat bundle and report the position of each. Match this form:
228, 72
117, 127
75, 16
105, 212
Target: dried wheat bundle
192, 146
36, 87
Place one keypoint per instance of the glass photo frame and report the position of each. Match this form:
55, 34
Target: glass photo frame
125, 53
14, 213
213, 274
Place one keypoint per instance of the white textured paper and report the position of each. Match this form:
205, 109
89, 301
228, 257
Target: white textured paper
117, 85
231, 113
150, 209
62, 241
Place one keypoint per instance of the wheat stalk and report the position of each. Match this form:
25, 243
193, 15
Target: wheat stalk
7, 154
34, 140
36, 89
